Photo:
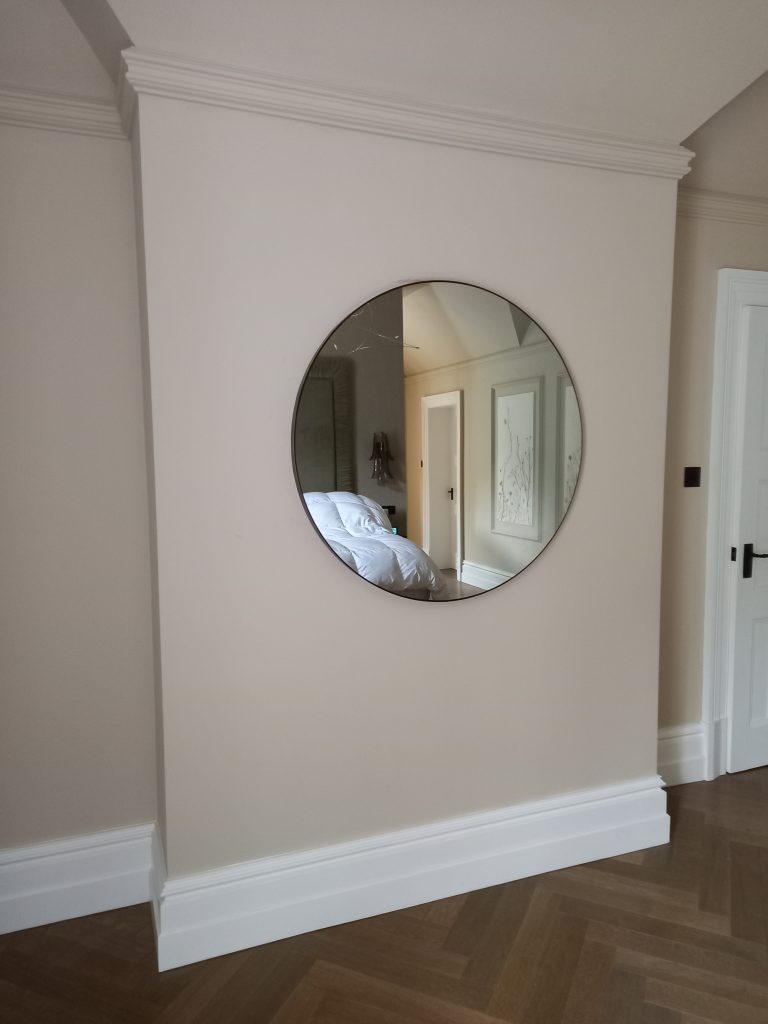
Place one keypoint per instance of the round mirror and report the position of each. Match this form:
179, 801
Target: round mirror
437, 440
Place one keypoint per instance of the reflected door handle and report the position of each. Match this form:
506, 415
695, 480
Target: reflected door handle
451, 494
749, 554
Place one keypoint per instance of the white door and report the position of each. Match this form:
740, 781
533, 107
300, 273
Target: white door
441, 451
748, 740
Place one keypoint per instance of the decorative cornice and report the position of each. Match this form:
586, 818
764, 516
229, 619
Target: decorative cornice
57, 113
722, 206
160, 74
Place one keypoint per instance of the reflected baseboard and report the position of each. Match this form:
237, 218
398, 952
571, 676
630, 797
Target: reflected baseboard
483, 576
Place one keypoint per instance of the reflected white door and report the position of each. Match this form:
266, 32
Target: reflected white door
748, 740
441, 457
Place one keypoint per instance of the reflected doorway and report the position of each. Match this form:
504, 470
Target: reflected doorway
441, 431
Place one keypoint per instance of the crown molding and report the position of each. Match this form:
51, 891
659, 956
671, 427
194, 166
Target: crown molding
58, 113
722, 206
146, 72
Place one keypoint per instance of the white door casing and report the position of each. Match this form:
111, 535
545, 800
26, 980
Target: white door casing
729, 599
441, 437
748, 720
440, 484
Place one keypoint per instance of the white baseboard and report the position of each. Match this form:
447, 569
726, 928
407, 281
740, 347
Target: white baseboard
483, 576
66, 878
716, 747
243, 905
217, 912
682, 754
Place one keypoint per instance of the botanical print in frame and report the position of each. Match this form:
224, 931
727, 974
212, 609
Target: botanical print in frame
515, 458
568, 443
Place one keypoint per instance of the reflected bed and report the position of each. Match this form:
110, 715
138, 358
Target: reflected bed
358, 530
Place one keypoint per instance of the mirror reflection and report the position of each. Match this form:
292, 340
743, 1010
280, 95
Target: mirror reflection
437, 440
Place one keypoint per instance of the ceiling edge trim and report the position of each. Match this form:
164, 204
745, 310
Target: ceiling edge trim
58, 113
146, 72
722, 206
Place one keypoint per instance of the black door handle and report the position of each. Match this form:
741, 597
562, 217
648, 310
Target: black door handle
451, 493
749, 554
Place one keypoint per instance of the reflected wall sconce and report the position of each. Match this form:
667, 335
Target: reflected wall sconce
380, 457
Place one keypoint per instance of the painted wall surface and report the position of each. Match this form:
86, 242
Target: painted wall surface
702, 248
285, 726
374, 341
76, 728
475, 380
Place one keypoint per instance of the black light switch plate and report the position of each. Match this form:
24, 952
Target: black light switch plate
692, 476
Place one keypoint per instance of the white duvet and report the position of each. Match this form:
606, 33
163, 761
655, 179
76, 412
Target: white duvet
358, 530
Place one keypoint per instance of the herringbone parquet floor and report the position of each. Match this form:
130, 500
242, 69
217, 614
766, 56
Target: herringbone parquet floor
673, 935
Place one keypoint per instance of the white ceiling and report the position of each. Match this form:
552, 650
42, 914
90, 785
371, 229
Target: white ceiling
42, 50
732, 147
648, 68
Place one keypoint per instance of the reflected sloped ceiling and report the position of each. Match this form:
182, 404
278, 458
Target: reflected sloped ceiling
445, 323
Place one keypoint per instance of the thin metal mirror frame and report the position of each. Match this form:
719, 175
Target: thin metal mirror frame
305, 377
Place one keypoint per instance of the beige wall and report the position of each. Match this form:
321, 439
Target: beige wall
76, 723
284, 725
702, 247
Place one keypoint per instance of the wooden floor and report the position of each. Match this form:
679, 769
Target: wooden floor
452, 590
675, 935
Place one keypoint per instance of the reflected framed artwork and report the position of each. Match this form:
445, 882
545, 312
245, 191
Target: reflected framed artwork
515, 454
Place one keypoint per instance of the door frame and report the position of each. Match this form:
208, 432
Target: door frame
736, 291
446, 399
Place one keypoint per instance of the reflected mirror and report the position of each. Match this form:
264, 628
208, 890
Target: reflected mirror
437, 440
